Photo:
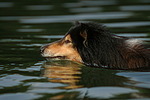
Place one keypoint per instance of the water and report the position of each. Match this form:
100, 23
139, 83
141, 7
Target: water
26, 25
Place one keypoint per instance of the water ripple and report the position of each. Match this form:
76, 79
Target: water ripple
68, 18
15, 40
39, 7
136, 8
128, 24
6, 4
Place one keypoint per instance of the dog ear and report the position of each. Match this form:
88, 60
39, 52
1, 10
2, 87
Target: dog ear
84, 35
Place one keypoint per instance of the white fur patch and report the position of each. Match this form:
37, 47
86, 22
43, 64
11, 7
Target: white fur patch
133, 42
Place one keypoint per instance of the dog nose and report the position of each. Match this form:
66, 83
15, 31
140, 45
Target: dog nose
43, 48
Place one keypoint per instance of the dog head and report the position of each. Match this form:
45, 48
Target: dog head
61, 49
80, 38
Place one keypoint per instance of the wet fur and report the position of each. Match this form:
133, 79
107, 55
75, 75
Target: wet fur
98, 47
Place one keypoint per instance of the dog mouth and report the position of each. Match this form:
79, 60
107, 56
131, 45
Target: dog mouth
55, 57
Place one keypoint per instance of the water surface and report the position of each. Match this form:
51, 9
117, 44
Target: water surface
26, 25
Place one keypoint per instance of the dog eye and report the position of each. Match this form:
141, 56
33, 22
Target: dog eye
67, 41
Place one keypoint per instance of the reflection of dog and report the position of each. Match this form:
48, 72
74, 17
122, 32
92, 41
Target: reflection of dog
92, 44
63, 72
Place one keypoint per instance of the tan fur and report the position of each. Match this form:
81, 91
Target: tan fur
62, 48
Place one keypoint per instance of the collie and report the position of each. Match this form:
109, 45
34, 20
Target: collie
94, 45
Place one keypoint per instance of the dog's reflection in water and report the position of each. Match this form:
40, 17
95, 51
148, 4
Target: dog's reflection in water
66, 72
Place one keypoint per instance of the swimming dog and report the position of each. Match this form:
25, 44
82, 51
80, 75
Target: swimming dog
94, 45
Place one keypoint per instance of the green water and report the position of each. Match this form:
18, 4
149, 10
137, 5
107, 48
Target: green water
25, 25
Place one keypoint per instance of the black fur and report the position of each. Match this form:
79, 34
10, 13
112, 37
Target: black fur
103, 49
